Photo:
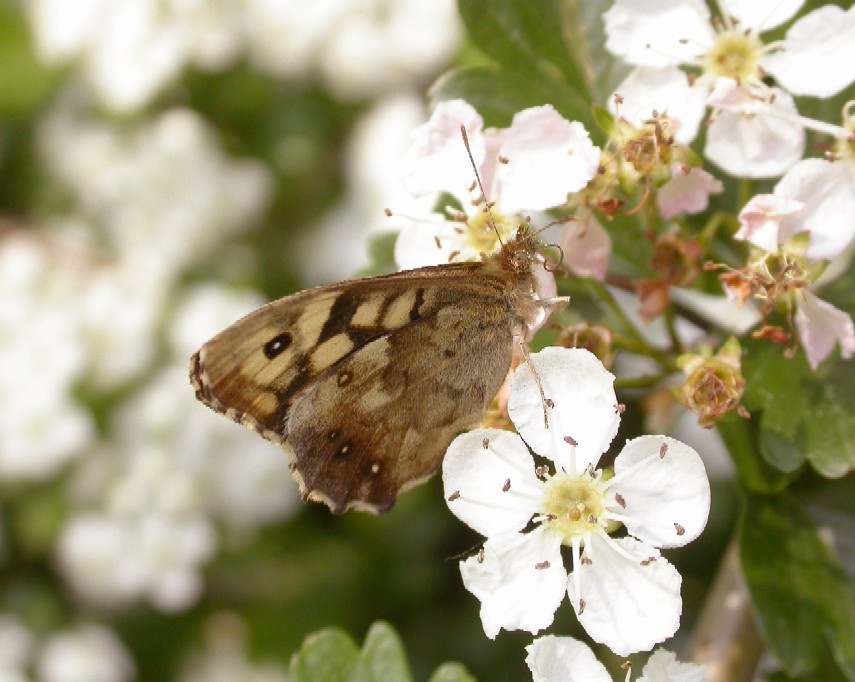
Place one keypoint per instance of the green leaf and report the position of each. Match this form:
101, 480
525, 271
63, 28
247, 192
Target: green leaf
526, 37
331, 656
804, 601
326, 656
497, 94
383, 658
451, 672
804, 415
741, 437
25, 85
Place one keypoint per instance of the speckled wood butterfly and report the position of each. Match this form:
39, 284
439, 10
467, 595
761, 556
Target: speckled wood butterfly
365, 383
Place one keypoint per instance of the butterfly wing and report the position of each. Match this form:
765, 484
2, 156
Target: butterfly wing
365, 383
379, 421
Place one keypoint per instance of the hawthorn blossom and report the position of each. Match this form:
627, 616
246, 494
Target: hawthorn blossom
688, 191
756, 131
87, 653
774, 223
564, 659
531, 166
625, 594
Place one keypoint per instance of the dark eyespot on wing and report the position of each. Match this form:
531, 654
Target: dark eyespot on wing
277, 345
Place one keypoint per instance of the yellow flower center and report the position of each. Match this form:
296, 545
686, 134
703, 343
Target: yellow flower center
573, 505
481, 235
736, 54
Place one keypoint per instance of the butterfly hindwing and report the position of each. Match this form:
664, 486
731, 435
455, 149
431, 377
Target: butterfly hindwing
379, 421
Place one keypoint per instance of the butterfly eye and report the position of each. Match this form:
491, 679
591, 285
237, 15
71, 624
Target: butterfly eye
521, 261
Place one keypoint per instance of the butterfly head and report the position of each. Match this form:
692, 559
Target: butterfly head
520, 253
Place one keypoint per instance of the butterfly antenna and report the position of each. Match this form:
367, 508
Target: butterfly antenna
487, 205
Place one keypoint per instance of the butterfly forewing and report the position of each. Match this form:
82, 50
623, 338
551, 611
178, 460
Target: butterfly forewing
365, 383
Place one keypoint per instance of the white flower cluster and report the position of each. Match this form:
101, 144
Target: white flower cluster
151, 498
129, 50
84, 653
531, 166
756, 130
162, 195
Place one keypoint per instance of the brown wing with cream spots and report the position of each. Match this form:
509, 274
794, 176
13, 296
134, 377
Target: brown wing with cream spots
379, 421
365, 383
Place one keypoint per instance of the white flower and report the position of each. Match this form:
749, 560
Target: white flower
770, 221
89, 653
821, 327
625, 594
688, 191
164, 194
531, 166
16, 649
130, 49
359, 48
827, 191
759, 134
564, 659
114, 561
43, 355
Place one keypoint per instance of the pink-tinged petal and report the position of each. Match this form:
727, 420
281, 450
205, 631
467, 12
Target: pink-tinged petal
489, 481
818, 57
760, 220
663, 666
547, 157
688, 191
663, 490
667, 92
437, 159
751, 138
583, 406
587, 246
821, 326
520, 580
760, 15
827, 189
564, 659
631, 595
658, 33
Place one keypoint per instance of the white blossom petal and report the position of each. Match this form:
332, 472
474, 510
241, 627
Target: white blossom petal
437, 160
666, 91
564, 659
587, 246
821, 326
688, 191
760, 15
429, 241
827, 189
818, 58
492, 489
584, 406
658, 32
761, 139
520, 581
548, 157
760, 220
663, 666
665, 495
632, 596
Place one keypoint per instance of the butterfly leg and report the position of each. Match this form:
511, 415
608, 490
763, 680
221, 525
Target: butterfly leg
546, 402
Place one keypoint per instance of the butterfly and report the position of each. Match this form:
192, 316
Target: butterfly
365, 383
